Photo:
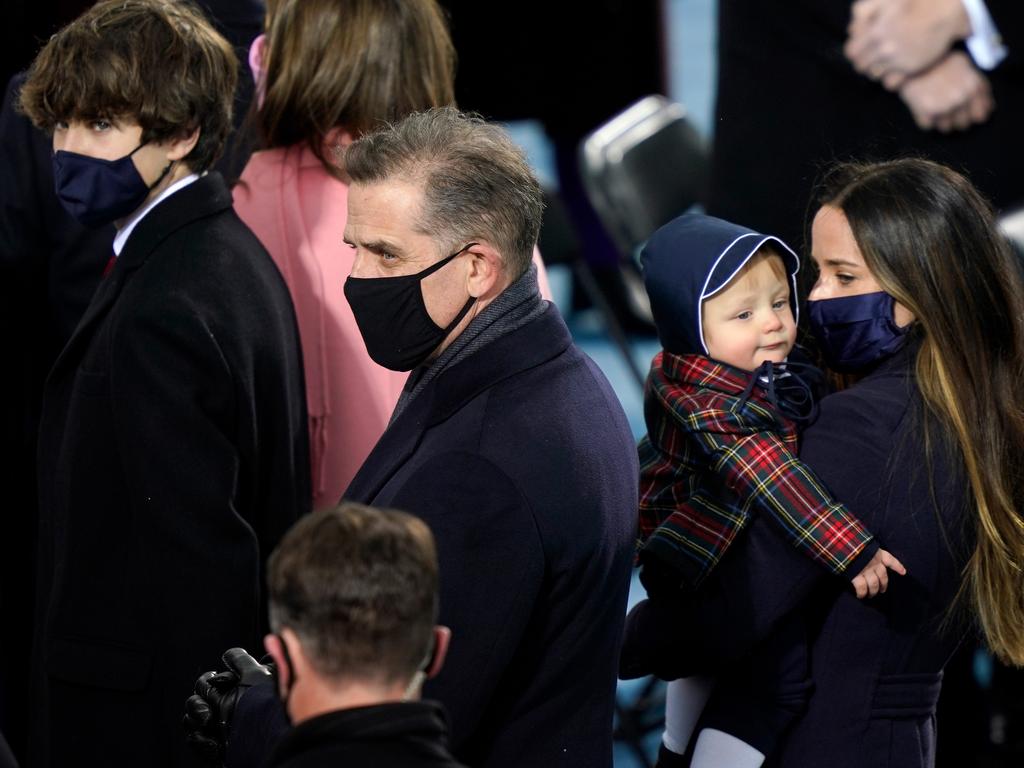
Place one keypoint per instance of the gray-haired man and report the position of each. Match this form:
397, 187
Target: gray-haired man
508, 441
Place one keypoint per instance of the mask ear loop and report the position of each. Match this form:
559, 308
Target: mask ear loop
458, 318
472, 299
420, 675
291, 670
163, 173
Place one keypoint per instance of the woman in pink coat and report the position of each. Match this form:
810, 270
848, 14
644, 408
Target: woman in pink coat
326, 71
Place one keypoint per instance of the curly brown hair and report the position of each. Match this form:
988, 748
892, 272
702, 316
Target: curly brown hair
155, 62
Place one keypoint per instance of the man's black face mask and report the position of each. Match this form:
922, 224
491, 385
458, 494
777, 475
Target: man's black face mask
393, 319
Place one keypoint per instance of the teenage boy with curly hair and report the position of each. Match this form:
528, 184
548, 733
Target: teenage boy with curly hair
173, 451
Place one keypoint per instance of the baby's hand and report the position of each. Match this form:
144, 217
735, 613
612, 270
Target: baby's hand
875, 576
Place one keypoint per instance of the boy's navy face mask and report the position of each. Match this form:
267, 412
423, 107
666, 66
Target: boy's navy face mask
855, 331
96, 191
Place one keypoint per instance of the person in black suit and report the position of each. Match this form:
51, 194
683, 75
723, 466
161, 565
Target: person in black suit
790, 102
353, 599
50, 266
353, 593
173, 451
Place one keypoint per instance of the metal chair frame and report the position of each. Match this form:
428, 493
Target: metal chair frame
640, 170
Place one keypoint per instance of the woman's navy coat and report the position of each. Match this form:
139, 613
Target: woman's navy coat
876, 664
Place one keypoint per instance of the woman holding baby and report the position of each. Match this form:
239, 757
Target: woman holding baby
918, 297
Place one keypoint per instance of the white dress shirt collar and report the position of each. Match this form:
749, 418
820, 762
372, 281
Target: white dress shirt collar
123, 233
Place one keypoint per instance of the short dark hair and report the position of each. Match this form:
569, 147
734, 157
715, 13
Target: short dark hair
354, 64
358, 586
476, 183
158, 62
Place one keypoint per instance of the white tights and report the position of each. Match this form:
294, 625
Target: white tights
684, 701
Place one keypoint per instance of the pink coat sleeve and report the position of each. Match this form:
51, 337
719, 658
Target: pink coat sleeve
298, 212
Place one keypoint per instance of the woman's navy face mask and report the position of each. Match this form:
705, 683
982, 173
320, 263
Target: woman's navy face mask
855, 332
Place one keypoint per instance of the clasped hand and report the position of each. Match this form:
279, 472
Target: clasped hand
907, 46
892, 40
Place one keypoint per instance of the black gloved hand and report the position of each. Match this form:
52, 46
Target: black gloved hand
209, 711
654, 641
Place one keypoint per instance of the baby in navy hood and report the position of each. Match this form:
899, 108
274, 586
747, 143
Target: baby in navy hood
722, 447
695, 258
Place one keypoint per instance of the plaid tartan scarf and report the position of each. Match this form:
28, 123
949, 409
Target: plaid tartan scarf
717, 453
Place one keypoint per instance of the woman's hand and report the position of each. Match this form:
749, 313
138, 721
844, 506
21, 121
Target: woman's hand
875, 576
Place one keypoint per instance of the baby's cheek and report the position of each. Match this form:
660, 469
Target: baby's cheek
791, 336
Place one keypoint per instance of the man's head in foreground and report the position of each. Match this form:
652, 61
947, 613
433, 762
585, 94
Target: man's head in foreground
353, 607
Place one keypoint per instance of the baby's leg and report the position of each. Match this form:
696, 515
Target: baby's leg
684, 701
717, 749
758, 701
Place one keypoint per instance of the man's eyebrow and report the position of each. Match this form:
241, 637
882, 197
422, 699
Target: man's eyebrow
381, 247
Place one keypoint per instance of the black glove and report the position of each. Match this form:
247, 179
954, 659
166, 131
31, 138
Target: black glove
209, 711
654, 641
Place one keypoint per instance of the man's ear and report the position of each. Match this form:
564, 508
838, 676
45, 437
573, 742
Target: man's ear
486, 276
442, 636
274, 647
179, 147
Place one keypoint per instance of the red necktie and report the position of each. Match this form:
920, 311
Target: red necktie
110, 265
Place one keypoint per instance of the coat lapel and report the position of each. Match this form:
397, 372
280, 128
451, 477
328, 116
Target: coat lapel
392, 450
203, 197
527, 347
102, 300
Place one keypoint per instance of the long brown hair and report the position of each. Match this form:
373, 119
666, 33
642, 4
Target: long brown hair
351, 64
930, 240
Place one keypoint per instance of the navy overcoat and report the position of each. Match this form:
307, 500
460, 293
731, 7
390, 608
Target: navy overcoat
521, 461
876, 664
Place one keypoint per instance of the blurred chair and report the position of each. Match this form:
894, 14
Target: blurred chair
559, 243
641, 169
639, 712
